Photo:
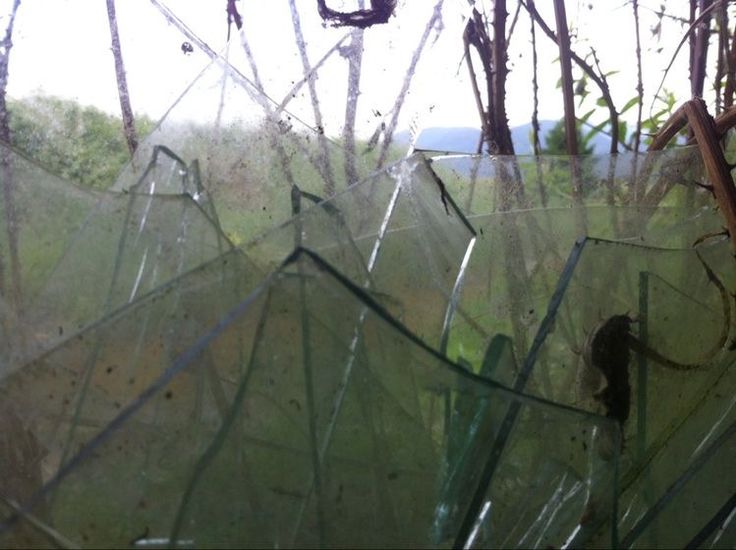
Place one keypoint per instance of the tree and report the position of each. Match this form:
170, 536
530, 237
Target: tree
80, 143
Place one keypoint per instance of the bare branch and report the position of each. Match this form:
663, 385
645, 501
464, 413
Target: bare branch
475, 35
639, 81
131, 136
379, 12
310, 76
693, 5
11, 215
253, 87
730, 73
291, 94
492, 54
399, 103
7, 45
535, 90
588, 70
563, 41
499, 120
233, 17
485, 131
705, 13
355, 60
514, 20
722, 56
700, 51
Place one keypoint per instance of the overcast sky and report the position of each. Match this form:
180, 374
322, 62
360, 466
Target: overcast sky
62, 47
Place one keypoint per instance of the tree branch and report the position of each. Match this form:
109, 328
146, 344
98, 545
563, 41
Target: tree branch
700, 52
499, 119
379, 12
233, 17
639, 81
535, 91
568, 97
310, 76
355, 60
730, 73
11, 215
705, 13
399, 103
125, 108
722, 56
492, 54
587, 69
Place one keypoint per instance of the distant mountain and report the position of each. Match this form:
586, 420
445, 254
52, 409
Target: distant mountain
465, 140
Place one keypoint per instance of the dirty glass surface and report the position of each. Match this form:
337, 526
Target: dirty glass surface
342, 437
95, 252
300, 376
399, 216
262, 335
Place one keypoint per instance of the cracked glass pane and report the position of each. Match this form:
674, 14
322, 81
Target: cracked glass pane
290, 320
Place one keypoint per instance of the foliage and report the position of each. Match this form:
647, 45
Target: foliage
555, 143
79, 143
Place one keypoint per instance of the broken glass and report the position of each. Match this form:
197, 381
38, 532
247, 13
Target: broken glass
98, 251
286, 422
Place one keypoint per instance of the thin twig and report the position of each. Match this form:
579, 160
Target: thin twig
484, 130
324, 155
7, 45
705, 13
399, 103
514, 20
660, 13
722, 56
475, 35
355, 60
700, 52
639, 80
131, 136
587, 69
252, 86
276, 143
693, 9
730, 73
233, 17
614, 116
12, 227
291, 94
535, 92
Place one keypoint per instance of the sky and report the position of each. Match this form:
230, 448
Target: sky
62, 48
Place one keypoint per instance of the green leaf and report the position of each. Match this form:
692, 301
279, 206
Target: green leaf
598, 128
629, 104
659, 114
583, 119
601, 102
